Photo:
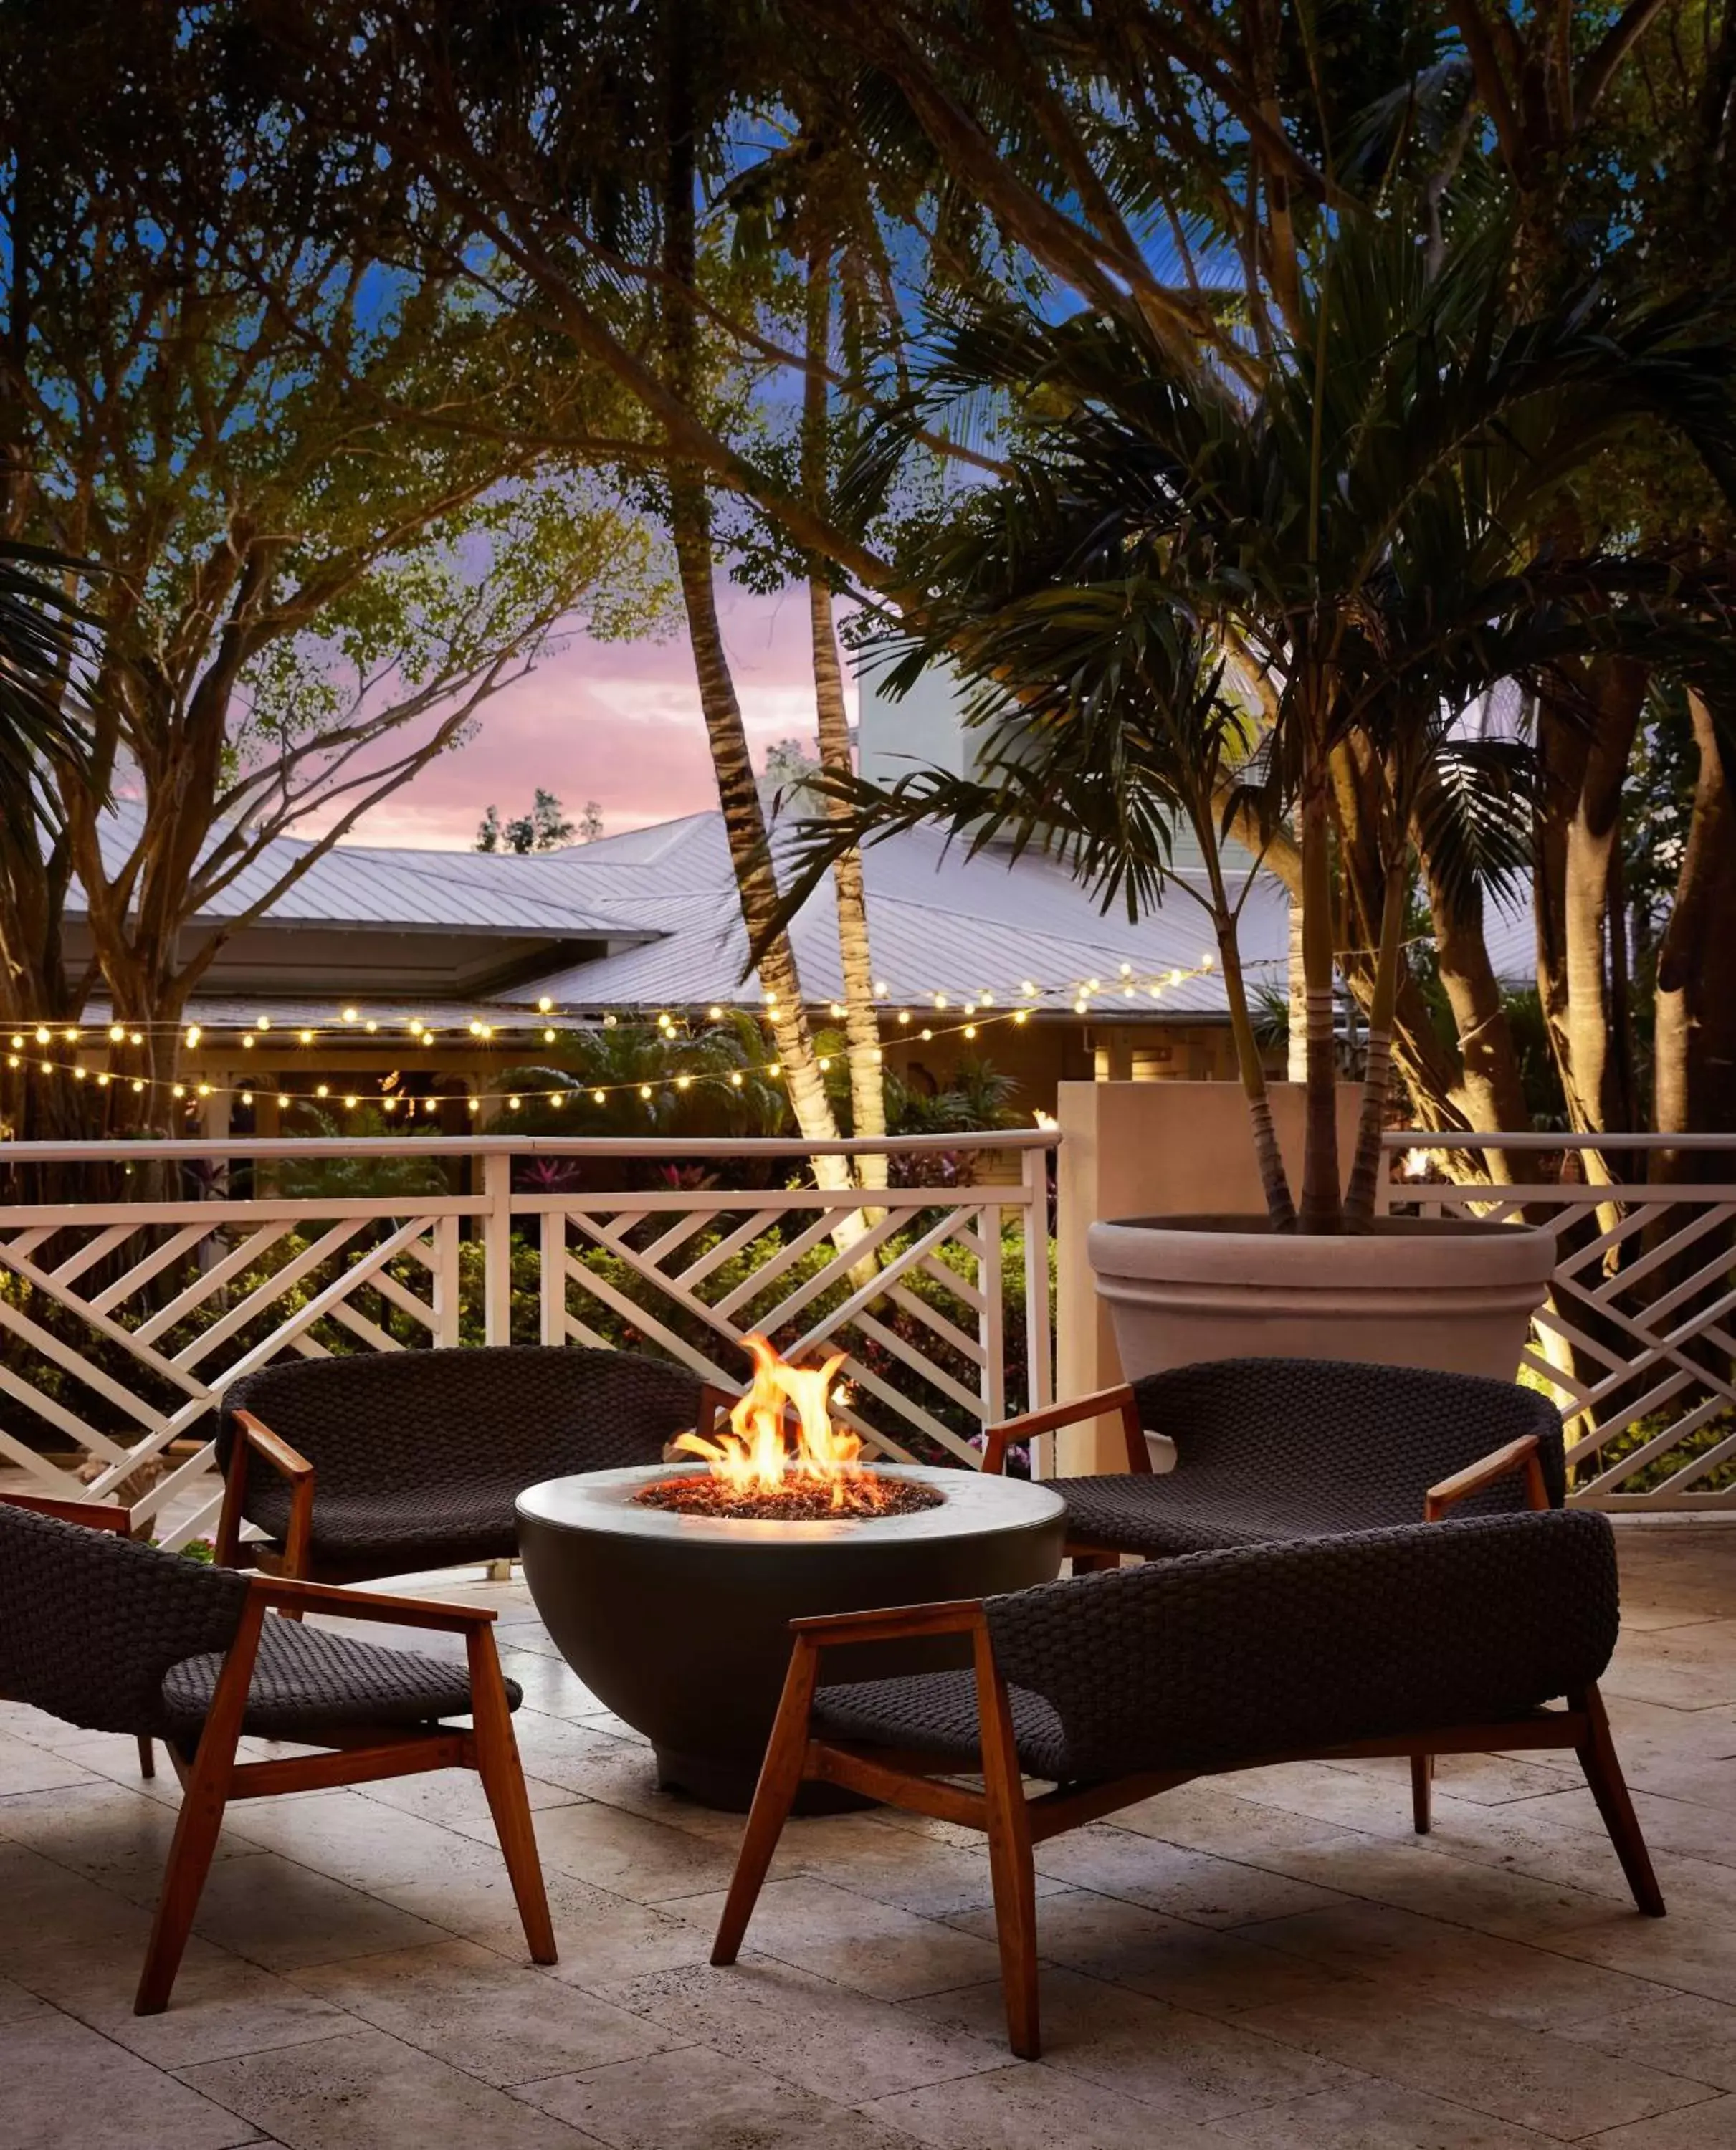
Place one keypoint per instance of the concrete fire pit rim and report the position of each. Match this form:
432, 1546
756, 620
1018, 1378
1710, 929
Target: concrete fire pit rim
594, 1500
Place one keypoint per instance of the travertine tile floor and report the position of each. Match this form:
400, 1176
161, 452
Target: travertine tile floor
1270, 1961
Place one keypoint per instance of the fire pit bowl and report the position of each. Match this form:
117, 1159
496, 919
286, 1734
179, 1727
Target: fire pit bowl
680, 1623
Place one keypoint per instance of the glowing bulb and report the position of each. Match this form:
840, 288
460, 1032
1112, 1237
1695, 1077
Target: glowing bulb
1022, 1016
940, 1000
596, 1097
548, 1038
12, 1060
262, 1022
880, 989
321, 1091
878, 1056
544, 1005
371, 1027
135, 1037
970, 1007
1129, 992
247, 1040
102, 1081
736, 1078
969, 1030
307, 1037
904, 1015
776, 1068
557, 1098
179, 1090
204, 1089
117, 1033
824, 1063
1126, 970
837, 1010
247, 1097
985, 1000
926, 1036
645, 1090
684, 1082
1094, 984
471, 1104
283, 1102
388, 1104
43, 1034
609, 1021
714, 1014
193, 1033
511, 1104
137, 1085
1029, 986
78, 1074
350, 1103
1080, 1007
1207, 960
350, 1015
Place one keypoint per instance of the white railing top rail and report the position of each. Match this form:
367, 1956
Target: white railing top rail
637, 1146
1407, 1138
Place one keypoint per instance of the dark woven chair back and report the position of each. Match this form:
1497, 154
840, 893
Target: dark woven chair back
90, 1622
1367, 1440
379, 1422
1224, 1656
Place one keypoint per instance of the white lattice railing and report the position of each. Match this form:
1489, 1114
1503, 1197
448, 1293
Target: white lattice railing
125, 1320
1638, 1337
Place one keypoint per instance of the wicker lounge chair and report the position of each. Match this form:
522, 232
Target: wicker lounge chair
390, 1462
1114, 1686
1273, 1449
110, 1633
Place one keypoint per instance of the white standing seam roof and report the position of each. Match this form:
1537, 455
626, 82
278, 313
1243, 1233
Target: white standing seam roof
405, 891
663, 901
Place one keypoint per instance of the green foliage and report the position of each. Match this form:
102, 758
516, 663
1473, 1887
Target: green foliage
545, 828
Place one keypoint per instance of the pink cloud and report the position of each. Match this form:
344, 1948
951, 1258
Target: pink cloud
616, 722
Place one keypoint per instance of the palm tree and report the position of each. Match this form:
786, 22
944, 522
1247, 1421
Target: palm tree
1268, 606
42, 642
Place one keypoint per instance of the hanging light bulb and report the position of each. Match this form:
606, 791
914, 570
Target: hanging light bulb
307, 1037
645, 1091
247, 1041
969, 1030
927, 1036
511, 1104
544, 1005
136, 1084
42, 1033
350, 1103
247, 1097
548, 1038
283, 1101
684, 1082
882, 989
350, 1015
735, 1079
136, 1037
904, 1015
262, 1022
321, 1091
194, 1033
103, 1082
179, 1090
609, 1021
714, 1013
1022, 1015
117, 1033
596, 1097
370, 1027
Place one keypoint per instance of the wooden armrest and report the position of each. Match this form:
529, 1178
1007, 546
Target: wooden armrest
1521, 1454
714, 1403
96, 1515
960, 1615
254, 1437
289, 1461
1000, 1438
287, 1593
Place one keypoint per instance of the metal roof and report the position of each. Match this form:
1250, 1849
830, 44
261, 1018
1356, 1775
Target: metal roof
364, 885
939, 922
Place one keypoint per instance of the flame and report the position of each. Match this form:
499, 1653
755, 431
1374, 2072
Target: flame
754, 1460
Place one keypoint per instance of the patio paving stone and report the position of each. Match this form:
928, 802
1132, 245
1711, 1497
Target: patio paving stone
1273, 1961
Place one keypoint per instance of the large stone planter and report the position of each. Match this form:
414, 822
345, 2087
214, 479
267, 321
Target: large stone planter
1454, 1295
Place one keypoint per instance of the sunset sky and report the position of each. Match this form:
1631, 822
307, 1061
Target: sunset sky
617, 722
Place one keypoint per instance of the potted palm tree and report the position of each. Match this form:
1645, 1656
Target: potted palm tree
1260, 606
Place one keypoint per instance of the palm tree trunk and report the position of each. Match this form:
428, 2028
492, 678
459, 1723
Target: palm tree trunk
1377, 1072
745, 826
861, 1022
690, 532
1274, 1180
1321, 1207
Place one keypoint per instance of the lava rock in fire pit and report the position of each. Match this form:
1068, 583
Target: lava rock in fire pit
795, 1500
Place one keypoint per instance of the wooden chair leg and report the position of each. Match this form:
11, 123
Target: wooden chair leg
1422, 1785
1603, 1769
204, 1793
781, 1778
147, 1757
502, 1774
1011, 1865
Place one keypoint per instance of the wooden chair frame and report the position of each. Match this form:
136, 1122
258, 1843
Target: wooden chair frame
211, 1775
1523, 1455
1015, 1822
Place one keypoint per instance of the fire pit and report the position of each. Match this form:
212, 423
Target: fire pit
669, 1590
